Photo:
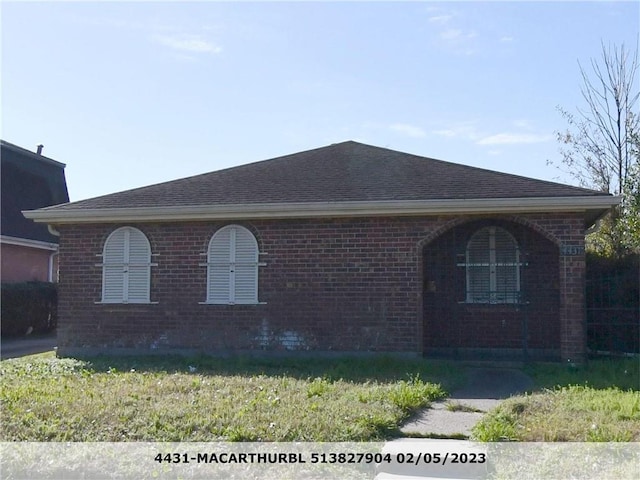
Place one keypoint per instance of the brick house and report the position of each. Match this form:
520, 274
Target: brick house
346, 248
29, 181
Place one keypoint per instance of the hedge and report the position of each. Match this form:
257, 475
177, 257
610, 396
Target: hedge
28, 307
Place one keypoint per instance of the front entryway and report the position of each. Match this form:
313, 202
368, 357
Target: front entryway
491, 291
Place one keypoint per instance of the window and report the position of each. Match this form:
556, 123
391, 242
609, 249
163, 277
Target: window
232, 267
126, 267
493, 267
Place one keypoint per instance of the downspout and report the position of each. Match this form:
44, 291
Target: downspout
55, 232
51, 265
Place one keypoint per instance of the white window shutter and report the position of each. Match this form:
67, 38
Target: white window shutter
112, 284
233, 267
139, 267
113, 267
246, 284
246, 267
218, 268
126, 267
138, 285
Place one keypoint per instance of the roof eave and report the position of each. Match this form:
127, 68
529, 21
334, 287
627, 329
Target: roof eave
28, 242
323, 209
30, 154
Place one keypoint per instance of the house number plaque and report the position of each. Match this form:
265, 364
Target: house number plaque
571, 250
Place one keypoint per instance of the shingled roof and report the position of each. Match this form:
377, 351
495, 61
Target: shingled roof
29, 181
348, 173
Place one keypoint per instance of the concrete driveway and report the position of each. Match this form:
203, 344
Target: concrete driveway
29, 345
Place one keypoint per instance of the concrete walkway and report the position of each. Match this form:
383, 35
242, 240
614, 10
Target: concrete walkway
443, 427
454, 417
29, 345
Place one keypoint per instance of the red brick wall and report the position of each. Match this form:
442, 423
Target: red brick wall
328, 285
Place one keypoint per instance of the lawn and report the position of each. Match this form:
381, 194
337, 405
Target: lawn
44, 398
599, 402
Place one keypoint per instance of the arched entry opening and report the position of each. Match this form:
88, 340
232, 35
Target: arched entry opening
491, 291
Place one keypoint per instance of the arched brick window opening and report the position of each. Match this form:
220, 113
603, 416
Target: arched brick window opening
232, 267
492, 262
126, 267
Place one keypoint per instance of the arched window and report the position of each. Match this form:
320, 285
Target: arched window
232, 267
126, 267
493, 267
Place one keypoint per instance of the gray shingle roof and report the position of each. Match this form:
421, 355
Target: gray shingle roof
29, 181
342, 172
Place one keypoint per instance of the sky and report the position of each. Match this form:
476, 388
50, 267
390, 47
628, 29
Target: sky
128, 94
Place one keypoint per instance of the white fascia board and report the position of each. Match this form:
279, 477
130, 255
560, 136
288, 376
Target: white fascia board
26, 242
323, 209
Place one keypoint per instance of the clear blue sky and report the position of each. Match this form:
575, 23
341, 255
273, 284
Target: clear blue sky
134, 93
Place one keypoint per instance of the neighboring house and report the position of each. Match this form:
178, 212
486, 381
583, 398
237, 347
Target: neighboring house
29, 181
348, 248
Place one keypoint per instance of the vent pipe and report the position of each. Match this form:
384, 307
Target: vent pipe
39, 151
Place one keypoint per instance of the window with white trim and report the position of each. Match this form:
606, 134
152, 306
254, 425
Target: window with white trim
126, 267
493, 267
232, 267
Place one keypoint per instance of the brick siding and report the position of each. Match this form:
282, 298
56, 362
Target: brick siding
329, 285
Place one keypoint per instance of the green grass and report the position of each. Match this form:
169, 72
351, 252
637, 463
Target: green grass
623, 373
598, 402
43, 398
204, 399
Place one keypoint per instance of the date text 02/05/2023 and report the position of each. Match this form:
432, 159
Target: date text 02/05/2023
314, 458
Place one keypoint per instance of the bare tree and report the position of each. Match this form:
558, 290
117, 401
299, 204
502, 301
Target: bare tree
599, 147
596, 147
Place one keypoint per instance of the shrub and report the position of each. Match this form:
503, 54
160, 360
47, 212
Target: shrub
28, 305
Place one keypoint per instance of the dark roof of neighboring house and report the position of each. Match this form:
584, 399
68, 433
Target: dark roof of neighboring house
343, 172
29, 181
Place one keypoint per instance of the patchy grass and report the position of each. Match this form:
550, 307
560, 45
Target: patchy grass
599, 402
44, 398
568, 414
